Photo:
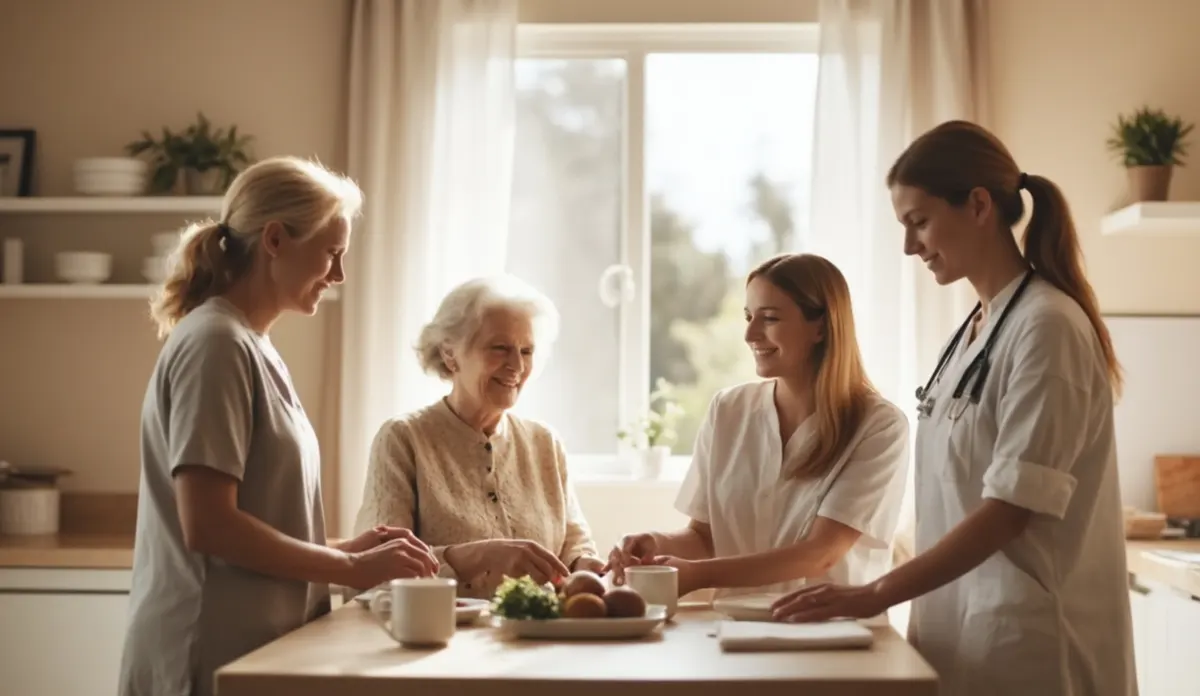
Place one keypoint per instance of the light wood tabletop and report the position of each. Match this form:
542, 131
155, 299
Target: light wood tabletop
348, 653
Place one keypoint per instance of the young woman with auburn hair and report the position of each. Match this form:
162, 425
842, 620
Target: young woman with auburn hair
798, 477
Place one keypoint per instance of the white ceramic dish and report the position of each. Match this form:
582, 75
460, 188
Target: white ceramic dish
155, 269
586, 629
466, 611
85, 267
751, 607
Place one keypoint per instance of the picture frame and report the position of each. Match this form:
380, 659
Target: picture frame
17, 149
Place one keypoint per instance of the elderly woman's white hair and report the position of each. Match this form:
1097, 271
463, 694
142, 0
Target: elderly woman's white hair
462, 312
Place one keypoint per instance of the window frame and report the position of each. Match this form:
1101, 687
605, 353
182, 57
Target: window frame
632, 43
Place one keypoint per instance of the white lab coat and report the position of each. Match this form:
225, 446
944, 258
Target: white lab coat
738, 483
1048, 615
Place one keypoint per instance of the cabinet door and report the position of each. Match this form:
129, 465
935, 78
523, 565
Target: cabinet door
1143, 637
64, 644
1182, 620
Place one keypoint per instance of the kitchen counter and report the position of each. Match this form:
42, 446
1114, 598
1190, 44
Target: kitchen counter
348, 653
1177, 575
67, 551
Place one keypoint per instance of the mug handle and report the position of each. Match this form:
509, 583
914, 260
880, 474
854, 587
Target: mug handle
380, 607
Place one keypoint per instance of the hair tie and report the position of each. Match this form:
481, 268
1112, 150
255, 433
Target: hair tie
1022, 181
225, 232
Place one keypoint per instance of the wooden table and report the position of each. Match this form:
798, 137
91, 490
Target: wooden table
348, 654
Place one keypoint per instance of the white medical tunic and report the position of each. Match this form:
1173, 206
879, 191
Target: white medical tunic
1049, 613
739, 484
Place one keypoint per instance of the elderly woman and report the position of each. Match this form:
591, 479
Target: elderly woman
485, 489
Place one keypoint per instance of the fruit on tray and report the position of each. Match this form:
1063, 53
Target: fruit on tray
581, 596
582, 582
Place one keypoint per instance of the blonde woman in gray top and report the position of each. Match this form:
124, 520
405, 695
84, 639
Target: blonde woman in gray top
230, 550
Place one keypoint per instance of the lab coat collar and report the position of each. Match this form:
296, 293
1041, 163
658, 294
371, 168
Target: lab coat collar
1003, 297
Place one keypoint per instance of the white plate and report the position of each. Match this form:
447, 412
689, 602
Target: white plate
467, 610
587, 629
750, 607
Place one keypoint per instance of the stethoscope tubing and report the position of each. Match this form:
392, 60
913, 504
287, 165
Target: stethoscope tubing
980, 365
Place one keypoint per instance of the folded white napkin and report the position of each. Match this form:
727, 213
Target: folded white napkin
746, 636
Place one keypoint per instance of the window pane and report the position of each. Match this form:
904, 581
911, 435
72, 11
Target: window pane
566, 230
728, 150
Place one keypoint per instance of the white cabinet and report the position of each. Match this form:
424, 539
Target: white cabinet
1165, 625
62, 631
1143, 637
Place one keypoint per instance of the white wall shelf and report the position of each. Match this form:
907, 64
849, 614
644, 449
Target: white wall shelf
103, 291
206, 205
1166, 218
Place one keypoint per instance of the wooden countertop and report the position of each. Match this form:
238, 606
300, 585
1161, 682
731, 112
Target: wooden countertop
349, 654
1180, 576
67, 551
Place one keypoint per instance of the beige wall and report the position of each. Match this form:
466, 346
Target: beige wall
1061, 72
89, 76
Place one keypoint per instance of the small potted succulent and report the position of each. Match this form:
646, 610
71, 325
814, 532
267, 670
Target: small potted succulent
207, 158
1149, 143
653, 434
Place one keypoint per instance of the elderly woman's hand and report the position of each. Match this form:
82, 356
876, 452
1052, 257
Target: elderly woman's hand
512, 557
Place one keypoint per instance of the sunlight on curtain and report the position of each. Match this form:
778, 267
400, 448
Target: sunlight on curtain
889, 71
431, 128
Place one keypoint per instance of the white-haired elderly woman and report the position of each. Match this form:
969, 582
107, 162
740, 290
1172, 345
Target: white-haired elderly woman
487, 490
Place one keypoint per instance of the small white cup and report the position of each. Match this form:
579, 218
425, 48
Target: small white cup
417, 611
656, 584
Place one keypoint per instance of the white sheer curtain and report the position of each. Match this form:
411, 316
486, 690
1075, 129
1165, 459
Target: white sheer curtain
431, 132
889, 70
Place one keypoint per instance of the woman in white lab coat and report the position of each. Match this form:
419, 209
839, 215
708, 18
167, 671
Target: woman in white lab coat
798, 477
1019, 582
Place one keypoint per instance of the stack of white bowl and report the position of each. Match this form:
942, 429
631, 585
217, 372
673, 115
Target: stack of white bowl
110, 176
155, 268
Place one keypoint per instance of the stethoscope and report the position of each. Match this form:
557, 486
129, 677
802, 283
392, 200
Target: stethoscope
978, 367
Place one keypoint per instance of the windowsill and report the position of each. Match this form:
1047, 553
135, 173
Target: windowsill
617, 470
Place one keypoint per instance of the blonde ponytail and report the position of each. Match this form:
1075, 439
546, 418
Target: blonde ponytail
202, 267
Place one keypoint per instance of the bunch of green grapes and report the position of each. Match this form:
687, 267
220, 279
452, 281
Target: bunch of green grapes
522, 598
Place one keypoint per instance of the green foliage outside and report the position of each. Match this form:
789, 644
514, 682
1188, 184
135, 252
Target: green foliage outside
697, 295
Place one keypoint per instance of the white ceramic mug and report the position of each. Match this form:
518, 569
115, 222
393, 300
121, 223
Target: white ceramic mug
417, 611
656, 584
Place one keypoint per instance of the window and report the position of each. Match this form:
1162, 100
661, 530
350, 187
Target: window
654, 168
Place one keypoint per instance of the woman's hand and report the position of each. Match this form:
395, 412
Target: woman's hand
512, 557
378, 535
826, 601
690, 573
405, 557
633, 549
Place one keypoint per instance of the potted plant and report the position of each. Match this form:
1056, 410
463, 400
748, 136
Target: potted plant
653, 434
215, 156
209, 158
167, 157
1149, 143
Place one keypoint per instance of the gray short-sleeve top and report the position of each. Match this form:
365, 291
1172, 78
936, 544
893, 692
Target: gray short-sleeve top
220, 396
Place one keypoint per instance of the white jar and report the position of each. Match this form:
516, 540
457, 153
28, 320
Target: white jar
29, 510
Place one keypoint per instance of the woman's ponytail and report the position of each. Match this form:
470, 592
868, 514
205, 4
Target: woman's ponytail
203, 266
1051, 245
